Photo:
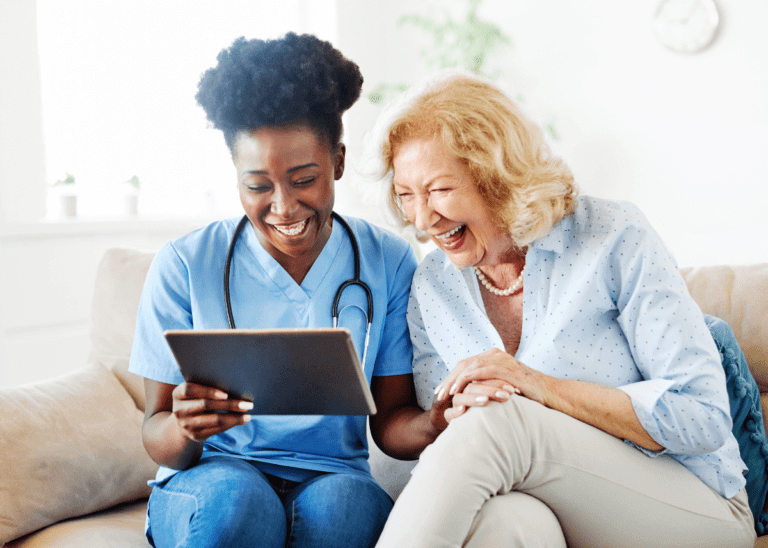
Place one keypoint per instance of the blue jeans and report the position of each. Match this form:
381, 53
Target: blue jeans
228, 502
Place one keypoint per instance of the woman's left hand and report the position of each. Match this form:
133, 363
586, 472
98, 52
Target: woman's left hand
486, 377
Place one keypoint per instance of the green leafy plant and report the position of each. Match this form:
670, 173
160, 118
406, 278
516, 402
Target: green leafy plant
134, 182
464, 44
68, 180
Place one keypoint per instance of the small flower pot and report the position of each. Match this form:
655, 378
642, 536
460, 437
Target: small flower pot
68, 205
131, 205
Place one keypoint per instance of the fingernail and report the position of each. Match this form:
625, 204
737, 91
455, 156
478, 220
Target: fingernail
245, 405
246, 418
453, 389
511, 389
441, 395
219, 395
481, 399
502, 395
437, 389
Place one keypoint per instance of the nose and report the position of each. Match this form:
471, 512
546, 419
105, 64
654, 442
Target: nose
423, 215
284, 203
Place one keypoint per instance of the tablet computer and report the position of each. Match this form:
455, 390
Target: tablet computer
282, 371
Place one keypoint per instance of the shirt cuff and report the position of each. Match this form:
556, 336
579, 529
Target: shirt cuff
645, 397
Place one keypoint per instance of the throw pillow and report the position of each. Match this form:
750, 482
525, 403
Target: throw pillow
70, 446
747, 418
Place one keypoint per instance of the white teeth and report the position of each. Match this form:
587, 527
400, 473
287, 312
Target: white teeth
297, 228
449, 233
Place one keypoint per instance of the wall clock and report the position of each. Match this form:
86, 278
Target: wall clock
686, 26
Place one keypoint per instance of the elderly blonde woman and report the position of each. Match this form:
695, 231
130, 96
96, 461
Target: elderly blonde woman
568, 389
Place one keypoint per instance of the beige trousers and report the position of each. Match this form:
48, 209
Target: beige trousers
520, 474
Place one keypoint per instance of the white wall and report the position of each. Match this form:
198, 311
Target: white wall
683, 136
22, 171
21, 139
47, 282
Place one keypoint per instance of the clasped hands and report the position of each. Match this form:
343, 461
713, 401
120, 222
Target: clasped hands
493, 375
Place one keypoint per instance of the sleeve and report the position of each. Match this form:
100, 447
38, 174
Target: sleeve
426, 360
395, 354
682, 401
165, 304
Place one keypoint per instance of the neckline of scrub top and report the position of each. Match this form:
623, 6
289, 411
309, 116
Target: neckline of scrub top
280, 277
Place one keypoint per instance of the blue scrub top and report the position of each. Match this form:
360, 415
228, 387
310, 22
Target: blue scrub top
184, 290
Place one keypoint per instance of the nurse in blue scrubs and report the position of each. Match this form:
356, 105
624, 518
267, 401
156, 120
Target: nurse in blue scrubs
226, 477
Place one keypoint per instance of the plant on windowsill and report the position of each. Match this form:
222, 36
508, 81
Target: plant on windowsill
131, 196
67, 194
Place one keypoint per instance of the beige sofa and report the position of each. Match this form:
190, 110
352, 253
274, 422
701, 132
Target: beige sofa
73, 471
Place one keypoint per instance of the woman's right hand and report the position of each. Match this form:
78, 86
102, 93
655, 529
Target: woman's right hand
203, 411
476, 394
177, 419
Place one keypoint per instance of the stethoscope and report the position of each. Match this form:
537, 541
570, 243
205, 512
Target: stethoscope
335, 307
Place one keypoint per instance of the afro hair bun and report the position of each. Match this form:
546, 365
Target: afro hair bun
276, 82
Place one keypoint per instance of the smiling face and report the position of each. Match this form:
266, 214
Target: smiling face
439, 196
286, 180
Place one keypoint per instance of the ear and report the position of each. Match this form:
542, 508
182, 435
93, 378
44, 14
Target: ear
338, 167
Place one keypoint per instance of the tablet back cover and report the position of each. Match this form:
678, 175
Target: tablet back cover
283, 371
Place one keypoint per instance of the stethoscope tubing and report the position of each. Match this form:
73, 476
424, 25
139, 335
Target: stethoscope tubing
335, 307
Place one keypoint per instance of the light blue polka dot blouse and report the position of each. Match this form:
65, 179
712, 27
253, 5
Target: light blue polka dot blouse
603, 302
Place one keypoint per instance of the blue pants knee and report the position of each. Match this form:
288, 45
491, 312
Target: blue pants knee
226, 501
336, 511
222, 501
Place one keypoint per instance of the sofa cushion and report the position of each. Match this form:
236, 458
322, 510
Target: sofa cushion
737, 295
70, 446
746, 413
119, 282
121, 526
391, 473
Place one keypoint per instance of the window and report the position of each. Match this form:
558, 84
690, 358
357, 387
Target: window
118, 86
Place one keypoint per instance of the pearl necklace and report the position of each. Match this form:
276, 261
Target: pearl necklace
495, 290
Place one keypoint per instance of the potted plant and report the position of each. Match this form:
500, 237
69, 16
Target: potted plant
131, 197
67, 196
465, 43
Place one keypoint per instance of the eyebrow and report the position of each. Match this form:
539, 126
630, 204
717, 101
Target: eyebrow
291, 170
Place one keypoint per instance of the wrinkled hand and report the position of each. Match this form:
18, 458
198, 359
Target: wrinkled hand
493, 375
203, 411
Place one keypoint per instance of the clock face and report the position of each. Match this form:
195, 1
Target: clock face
686, 26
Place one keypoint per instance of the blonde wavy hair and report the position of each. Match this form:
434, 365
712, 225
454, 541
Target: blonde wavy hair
527, 188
